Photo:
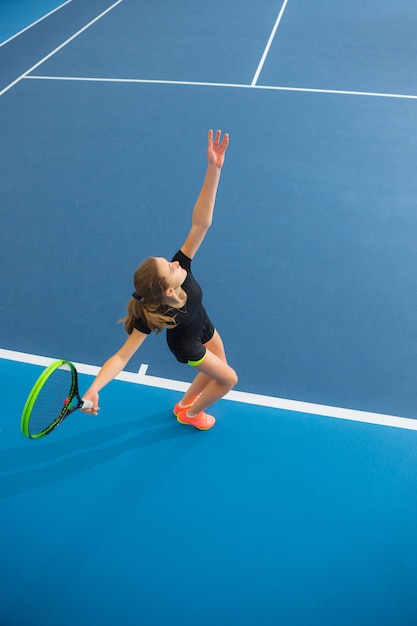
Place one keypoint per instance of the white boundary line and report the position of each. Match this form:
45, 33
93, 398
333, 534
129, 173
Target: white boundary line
142, 378
269, 44
144, 81
3, 43
48, 56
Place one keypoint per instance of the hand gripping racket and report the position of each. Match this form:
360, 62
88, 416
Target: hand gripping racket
54, 396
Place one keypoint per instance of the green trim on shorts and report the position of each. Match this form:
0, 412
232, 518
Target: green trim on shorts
195, 363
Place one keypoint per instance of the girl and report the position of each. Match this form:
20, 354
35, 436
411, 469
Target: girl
168, 296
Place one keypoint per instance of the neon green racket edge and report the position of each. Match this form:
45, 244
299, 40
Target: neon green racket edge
54, 396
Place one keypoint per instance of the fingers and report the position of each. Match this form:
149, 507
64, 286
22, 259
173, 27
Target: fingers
217, 145
90, 403
224, 143
93, 411
95, 408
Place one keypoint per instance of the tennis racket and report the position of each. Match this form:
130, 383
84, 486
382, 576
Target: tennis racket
54, 396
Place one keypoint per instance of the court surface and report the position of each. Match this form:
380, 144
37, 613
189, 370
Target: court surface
299, 506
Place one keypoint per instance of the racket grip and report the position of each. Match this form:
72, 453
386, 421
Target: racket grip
87, 404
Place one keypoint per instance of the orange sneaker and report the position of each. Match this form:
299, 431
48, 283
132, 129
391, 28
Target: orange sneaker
202, 421
178, 408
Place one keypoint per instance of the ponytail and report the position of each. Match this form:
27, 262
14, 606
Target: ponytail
149, 306
154, 318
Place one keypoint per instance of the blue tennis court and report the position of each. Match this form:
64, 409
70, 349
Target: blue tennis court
299, 506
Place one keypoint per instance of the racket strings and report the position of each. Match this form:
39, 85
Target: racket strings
55, 395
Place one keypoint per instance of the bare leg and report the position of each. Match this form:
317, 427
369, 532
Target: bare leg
201, 381
218, 377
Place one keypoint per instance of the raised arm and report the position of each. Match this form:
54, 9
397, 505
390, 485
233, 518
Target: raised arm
113, 366
203, 209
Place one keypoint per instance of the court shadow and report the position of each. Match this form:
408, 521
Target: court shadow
33, 466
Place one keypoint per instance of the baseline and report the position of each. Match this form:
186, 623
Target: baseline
142, 378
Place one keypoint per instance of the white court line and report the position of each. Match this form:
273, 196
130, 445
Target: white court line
142, 378
269, 44
144, 81
48, 56
3, 43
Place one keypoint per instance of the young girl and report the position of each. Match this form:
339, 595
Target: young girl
168, 296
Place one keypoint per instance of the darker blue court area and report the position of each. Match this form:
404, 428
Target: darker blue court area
307, 271
346, 46
273, 517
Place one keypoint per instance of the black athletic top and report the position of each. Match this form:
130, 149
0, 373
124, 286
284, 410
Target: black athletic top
193, 327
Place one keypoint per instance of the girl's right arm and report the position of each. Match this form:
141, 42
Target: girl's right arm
203, 209
113, 366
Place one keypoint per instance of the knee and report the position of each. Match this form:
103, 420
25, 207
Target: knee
232, 378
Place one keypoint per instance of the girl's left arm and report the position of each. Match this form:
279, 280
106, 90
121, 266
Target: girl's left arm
112, 367
203, 209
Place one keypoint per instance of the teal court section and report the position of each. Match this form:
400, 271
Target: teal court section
16, 15
271, 517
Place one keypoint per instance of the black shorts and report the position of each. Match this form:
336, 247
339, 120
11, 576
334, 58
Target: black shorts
190, 350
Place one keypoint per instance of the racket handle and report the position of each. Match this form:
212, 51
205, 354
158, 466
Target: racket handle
87, 404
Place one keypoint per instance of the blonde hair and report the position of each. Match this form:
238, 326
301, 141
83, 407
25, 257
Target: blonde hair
150, 287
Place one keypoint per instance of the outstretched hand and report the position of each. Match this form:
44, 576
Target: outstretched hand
216, 150
93, 396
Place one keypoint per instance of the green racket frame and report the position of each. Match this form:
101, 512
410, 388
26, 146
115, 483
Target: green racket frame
66, 409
